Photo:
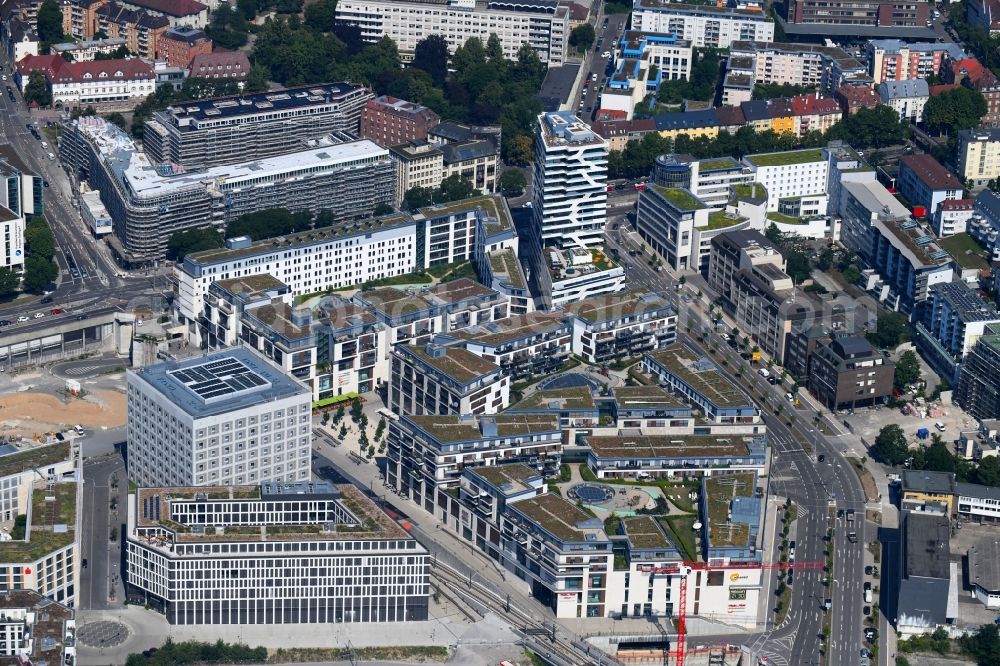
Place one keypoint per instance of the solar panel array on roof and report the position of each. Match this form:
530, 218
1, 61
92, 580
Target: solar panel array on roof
218, 379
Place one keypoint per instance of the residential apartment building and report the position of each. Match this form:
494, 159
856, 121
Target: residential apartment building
703, 25
105, 84
225, 417
896, 60
907, 262
953, 319
389, 121
417, 164
698, 380
177, 12
140, 29
179, 45
734, 251
854, 98
906, 97
971, 73
861, 203
978, 157
206, 133
41, 485
278, 553
953, 216
570, 191
847, 373
869, 17
607, 329
978, 391
984, 224
347, 178
429, 453
434, 378
643, 62
544, 26
925, 182
567, 276
220, 65
677, 454
35, 629
476, 161
317, 260
80, 17
824, 68
523, 345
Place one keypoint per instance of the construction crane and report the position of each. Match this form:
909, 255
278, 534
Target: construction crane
684, 569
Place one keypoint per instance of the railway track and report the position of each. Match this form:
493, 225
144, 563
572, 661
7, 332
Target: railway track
543, 638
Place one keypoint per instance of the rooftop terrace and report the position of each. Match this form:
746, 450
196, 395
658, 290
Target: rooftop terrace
577, 397
644, 397
453, 429
669, 446
34, 458
510, 329
561, 518
51, 525
785, 158
513, 478
643, 532
455, 362
682, 199
720, 492
506, 268
701, 375
611, 307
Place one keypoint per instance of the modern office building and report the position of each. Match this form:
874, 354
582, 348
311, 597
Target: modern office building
389, 121
542, 24
277, 553
978, 390
41, 487
896, 60
734, 251
228, 417
352, 253
795, 180
149, 202
847, 372
703, 25
710, 180
570, 191
241, 128
925, 182
435, 378
860, 204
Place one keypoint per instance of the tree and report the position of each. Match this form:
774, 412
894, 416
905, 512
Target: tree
418, 197
382, 208
454, 188
269, 223
321, 15
37, 90
431, 56
984, 645
117, 119
39, 272
39, 238
852, 274
9, 282
890, 445
513, 182
891, 330
582, 37
119, 53
522, 150
182, 243
988, 472
937, 458
798, 266
50, 22
954, 110
907, 370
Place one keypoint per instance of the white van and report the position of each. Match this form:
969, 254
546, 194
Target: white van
79, 430
939, 426
764, 373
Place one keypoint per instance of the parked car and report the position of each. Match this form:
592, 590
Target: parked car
39, 315
57, 311
606, 54
22, 319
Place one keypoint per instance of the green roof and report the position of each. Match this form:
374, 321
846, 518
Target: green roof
720, 491
504, 262
781, 218
682, 199
786, 157
35, 458
720, 219
965, 250
577, 397
644, 532
718, 163
752, 191
40, 539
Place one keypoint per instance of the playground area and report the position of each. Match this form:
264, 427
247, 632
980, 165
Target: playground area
610, 499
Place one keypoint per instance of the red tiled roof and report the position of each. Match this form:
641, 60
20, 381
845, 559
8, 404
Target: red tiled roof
49, 64
578, 12
220, 64
958, 204
858, 94
129, 69
942, 87
811, 105
611, 114
930, 172
730, 116
179, 8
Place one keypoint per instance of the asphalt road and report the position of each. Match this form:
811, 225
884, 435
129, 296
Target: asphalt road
607, 37
795, 473
98, 284
103, 556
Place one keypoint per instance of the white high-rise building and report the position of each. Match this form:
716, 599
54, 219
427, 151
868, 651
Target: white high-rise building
227, 418
571, 170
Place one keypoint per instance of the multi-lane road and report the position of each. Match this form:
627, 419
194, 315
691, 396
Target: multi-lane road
99, 282
819, 490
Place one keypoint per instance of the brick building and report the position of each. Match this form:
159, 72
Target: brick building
220, 65
178, 46
390, 121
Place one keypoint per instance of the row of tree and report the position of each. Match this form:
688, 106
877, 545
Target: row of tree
194, 652
890, 448
876, 127
39, 268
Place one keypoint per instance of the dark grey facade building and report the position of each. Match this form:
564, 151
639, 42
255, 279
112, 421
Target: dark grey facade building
925, 574
848, 372
211, 132
978, 389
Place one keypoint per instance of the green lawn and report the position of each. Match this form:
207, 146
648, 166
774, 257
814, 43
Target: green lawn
966, 251
720, 220
681, 528
783, 219
680, 198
